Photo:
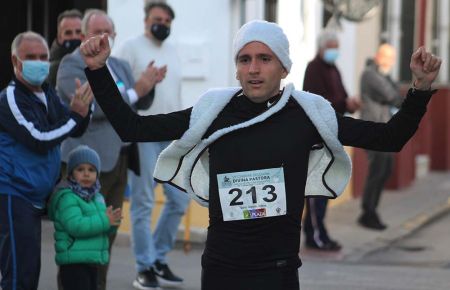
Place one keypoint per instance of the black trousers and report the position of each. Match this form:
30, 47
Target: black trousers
20, 243
276, 279
314, 221
78, 276
380, 169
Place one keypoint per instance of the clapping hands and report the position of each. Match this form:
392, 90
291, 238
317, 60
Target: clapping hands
149, 78
114, 215
82, 99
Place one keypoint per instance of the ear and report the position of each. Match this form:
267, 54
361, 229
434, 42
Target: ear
284, 73
14, 60
237, 77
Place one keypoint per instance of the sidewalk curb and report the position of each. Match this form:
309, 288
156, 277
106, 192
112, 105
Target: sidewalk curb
397, 233
197, 239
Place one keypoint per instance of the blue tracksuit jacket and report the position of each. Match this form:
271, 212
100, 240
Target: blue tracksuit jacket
30, 135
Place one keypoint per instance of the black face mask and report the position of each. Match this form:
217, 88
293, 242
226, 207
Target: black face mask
160, 31
71, 44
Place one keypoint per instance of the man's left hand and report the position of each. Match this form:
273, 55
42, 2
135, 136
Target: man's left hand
425, 68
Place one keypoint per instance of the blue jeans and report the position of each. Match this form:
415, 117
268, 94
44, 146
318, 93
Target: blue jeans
148, 247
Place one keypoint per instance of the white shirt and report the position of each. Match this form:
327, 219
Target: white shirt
139, 52
41, 96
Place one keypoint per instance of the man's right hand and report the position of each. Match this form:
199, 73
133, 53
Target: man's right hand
95, 51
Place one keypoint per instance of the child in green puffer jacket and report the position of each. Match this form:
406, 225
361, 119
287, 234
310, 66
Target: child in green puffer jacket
82, 221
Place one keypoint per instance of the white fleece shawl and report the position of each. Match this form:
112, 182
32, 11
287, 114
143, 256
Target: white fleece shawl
185, 162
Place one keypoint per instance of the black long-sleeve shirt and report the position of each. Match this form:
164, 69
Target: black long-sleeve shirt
283, 140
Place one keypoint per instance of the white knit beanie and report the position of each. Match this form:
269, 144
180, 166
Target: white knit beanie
268, 33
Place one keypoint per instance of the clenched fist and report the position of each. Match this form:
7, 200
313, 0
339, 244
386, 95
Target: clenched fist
95, 51
425, 68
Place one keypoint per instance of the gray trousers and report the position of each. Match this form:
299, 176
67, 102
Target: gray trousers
380, 169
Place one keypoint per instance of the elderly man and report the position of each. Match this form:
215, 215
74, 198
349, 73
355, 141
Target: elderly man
379, 95
252, 153
68, 37
116, 157
322, 77
33, 122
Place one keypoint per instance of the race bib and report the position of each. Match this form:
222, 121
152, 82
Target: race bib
252, 194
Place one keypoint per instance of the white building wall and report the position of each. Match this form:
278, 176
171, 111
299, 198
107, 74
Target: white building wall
204, 30
302, 22
128, 17
201, 30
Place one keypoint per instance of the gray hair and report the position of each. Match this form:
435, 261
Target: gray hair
87, 16
27, 35
325, 37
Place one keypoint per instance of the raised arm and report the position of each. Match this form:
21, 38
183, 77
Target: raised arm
393, 135
129, 125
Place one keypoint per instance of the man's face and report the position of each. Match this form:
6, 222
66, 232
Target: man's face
69, 28
385, 58
157, 16
29, 49
99, 24
259, 71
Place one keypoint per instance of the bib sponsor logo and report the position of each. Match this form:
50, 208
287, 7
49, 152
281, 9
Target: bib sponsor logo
254, 213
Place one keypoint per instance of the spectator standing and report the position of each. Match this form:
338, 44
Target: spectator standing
33, 123
149, 248
380, 95
322, 77
117, 156
68, 37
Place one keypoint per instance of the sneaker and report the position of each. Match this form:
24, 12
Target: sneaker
371, 221
166, 277
146, 280
329, 246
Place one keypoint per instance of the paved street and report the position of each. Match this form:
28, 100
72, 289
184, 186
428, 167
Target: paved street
428, 247
370, 260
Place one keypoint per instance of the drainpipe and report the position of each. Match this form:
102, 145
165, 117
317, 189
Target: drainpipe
421, 20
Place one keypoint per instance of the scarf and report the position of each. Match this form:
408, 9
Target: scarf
86, 193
